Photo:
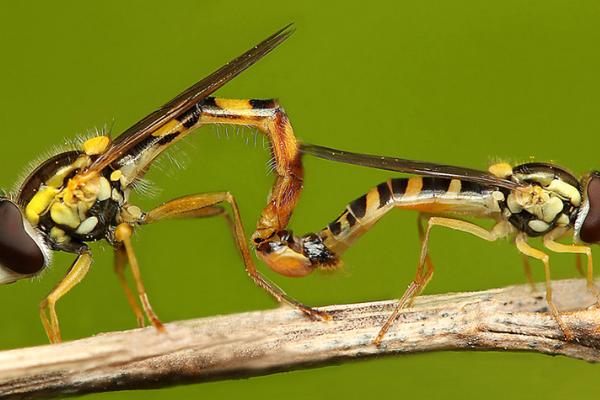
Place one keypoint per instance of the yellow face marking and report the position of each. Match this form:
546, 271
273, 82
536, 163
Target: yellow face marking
40, 203
116, 175
414, 186
501, 170
96, 145
169, 128
233, 104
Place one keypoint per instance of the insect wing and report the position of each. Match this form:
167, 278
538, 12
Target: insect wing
408, 166
193, 95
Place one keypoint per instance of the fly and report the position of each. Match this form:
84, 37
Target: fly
82, 195
528, 200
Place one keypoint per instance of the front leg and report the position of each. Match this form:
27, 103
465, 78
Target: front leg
551, 244
76, 273
526, 249
122, 236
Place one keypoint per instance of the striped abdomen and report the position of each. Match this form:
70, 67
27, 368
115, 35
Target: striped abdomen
425, 194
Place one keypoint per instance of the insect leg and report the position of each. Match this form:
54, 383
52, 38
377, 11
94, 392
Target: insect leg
526, 249
578, 264
527, 269
120, 264
421, 279
428, 263
550, 244
75, 274
206, 204
123, 235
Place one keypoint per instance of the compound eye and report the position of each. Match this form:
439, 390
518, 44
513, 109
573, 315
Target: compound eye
590, 229
18, 251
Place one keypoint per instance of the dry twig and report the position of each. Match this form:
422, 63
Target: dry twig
264, 342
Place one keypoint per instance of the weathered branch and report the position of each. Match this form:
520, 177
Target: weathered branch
264, 342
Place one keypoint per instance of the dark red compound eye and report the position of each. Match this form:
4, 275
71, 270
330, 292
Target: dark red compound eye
18, 251
590, 229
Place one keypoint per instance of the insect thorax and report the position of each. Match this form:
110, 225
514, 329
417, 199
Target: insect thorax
551, 200
66, 207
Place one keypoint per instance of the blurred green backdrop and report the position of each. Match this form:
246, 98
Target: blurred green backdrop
461, 82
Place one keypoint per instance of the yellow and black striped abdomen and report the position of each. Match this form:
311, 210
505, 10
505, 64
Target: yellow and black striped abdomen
425, 194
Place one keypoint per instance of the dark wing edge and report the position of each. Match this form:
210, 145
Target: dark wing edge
408, 166
189, 97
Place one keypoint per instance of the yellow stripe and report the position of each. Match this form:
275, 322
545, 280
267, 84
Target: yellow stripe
233, 104
414, 186
169, 128
372, 201
454, 187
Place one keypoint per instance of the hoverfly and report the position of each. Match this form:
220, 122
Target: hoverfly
528, 200
82, 195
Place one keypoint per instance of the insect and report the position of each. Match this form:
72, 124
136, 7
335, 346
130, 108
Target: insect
82, 195
528, 200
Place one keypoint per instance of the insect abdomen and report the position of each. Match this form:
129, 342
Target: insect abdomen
425, 194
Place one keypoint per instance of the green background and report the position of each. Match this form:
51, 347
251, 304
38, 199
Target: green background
459, 82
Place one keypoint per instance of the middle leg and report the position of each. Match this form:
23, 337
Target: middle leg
123, 234
422, 279
207, 204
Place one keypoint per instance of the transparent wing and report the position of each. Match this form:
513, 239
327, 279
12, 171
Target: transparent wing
408, 166
193, 95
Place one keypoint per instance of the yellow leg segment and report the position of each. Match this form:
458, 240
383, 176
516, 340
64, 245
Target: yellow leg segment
428, 263
120, 264
527, 269
48, 315
526, 249
206, 204
578, 265
123, 235
423, 278
556, 247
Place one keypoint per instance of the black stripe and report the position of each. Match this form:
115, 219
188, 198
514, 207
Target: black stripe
359, 206
470, 187
190, 118
384, 194
335, 227
435, 184
399, 186
351, 220
210, 102
167, 138
262, 104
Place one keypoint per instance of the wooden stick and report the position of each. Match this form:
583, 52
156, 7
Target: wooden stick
264, 342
